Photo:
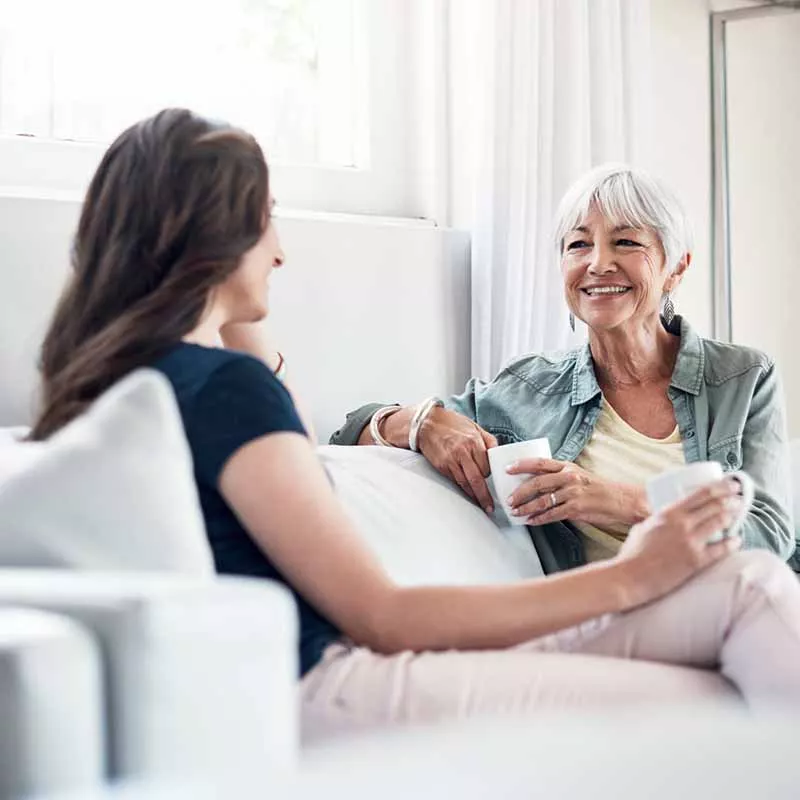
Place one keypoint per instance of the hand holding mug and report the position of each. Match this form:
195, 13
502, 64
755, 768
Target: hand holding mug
672, 486
681, 539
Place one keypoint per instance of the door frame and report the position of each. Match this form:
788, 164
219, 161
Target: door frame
722, 321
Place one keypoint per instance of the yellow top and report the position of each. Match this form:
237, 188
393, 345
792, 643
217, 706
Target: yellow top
619, 453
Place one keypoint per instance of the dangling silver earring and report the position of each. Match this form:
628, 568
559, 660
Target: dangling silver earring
572, 321
667, 308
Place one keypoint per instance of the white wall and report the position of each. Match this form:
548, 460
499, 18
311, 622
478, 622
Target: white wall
763, 58
681, 149
364, 310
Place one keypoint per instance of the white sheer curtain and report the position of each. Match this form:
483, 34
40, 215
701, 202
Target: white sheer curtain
557, 86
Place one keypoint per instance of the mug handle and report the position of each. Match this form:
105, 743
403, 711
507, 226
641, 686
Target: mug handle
748, 493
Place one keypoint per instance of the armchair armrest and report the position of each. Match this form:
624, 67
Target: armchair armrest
51, 705
201, 674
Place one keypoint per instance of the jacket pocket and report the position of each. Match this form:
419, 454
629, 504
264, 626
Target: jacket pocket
504, 435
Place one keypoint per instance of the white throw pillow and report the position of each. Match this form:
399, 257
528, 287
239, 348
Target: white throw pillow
12, 436
13, 457
113, 490
420, 526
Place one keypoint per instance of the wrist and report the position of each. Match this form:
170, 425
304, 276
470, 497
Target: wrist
628, 591
634, 507
394, 429
421, 414
428, 423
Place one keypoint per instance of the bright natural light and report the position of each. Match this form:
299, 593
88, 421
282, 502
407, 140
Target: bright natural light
287, 70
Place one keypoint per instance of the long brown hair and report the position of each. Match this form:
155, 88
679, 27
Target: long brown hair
175, 203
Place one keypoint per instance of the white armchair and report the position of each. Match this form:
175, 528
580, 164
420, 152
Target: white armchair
51, 704
198, 677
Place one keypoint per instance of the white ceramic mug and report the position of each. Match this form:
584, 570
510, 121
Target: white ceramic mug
672, 486
500, 458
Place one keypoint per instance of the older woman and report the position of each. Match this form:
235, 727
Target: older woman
646, 394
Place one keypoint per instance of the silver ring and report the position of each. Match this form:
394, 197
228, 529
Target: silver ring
553, 501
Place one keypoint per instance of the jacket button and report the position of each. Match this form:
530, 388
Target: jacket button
731, 458
690, 434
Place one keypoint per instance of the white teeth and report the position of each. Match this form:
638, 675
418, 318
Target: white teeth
608, 290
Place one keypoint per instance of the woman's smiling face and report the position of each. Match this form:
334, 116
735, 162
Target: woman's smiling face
614, 274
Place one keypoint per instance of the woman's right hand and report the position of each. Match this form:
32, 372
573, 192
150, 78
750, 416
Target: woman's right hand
457, 447
671, 546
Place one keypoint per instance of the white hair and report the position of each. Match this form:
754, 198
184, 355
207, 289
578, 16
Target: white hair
627, 196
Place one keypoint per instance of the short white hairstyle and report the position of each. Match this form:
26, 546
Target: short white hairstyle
627, 196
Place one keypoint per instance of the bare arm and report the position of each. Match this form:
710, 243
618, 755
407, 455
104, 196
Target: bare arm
282, 496
251, 338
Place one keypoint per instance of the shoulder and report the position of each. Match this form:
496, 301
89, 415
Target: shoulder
547, 373
195, 370
725, 361
226, 399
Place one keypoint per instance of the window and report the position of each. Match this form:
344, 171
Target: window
319, 82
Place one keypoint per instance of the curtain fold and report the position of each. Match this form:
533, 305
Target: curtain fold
564, 85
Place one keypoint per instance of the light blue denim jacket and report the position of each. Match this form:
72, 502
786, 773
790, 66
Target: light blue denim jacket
728, 404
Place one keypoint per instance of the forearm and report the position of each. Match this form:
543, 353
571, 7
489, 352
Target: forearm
311, 541
355, 424
633, 507
496, 617
355, 429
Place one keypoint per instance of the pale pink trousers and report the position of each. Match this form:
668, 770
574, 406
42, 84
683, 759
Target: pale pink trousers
730, 635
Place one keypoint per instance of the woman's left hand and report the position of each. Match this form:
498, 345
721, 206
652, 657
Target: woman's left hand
251, 338
579, 495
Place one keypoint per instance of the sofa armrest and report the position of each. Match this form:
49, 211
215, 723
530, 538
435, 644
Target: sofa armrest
201, 674
51, 705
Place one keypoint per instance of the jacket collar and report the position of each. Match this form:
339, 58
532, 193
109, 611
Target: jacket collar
690, 364
687, 375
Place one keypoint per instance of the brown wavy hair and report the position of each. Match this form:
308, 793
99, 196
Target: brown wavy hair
175, 203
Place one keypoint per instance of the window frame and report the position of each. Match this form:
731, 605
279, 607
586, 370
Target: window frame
385, 185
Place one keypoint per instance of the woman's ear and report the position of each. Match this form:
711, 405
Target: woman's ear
676, 276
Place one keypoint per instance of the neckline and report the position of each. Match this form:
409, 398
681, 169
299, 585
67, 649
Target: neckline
673, 438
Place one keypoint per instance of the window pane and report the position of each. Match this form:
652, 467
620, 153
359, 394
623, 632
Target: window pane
287, 70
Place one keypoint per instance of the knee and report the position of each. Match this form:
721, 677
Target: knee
759, 567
